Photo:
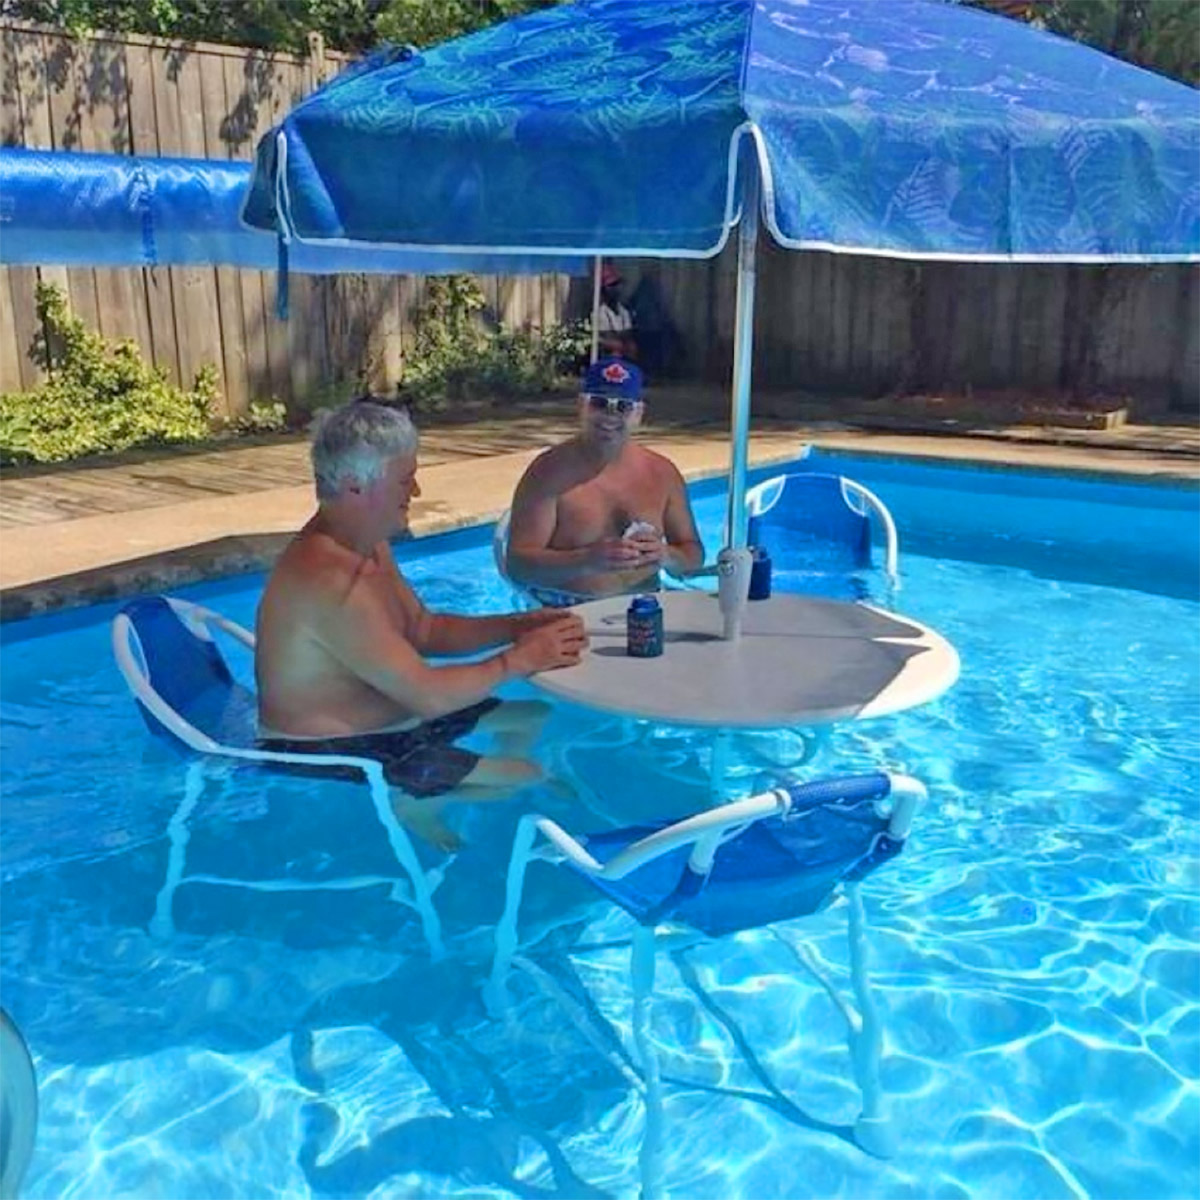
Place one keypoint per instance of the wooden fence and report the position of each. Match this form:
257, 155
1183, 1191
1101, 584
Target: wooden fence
871, 326
826, 322
126, 94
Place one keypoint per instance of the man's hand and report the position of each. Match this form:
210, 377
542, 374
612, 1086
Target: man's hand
523, 622
557, 642
622, 554
650, 547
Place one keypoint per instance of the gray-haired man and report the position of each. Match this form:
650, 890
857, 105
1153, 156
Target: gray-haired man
342, 638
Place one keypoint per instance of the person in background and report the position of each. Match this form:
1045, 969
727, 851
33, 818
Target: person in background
343, 641
614, 321
598, 514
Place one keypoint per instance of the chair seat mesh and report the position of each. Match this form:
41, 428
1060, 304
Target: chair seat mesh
774, 870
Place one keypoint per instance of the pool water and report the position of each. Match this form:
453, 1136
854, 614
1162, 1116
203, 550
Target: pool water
1034, 949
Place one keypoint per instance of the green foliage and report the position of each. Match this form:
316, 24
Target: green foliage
1161, 35
425, 23
352, 25
458, 358
262, 416
98, 397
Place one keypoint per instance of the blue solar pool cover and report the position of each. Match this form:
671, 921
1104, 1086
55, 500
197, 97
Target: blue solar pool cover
911, 128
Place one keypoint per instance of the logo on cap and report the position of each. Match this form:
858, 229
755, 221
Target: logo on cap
613, 377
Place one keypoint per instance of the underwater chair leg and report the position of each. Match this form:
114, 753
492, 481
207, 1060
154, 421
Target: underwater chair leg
641, 970
162, 924
871, 1130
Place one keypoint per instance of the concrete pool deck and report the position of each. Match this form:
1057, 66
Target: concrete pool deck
88, 532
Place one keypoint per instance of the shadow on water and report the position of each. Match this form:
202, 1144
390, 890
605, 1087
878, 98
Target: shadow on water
770, 1097
492, 1102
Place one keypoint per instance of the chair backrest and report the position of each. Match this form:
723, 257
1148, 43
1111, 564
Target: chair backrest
776, 869
184, 688
820, 523
768, 858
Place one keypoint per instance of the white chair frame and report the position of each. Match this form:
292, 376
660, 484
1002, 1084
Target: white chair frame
201, 621
704, 833
763, 497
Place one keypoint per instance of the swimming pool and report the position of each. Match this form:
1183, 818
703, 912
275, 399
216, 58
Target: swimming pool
1034, 948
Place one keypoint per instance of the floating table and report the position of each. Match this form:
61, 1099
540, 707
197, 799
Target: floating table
801, 660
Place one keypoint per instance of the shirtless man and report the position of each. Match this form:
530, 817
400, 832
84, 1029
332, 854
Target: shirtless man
342, 639
600, 515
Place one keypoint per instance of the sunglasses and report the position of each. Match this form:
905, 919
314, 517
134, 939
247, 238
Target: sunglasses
617, 404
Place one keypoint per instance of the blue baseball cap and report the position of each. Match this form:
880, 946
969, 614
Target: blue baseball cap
613, 377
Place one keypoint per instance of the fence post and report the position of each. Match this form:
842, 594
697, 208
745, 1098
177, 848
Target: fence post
315, 68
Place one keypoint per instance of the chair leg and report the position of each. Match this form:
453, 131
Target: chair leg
162, 924
495, 992
406, 856
641, 972
871, 1130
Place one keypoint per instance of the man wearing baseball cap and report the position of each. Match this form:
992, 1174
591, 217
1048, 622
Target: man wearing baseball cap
599, 515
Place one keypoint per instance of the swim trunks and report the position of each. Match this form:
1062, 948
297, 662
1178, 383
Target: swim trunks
422, 761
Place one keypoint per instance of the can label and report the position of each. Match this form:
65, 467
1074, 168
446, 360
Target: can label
644, 632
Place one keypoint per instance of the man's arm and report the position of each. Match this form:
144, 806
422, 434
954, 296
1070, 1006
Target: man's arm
684, 551
360, 630
449, 633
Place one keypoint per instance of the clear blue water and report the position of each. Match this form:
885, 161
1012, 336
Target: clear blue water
1034, 948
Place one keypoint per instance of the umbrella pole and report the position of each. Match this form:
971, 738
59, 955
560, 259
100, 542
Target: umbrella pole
743, 360
596, 271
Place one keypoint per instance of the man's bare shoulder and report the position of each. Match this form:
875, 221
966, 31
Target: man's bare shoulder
552, 470
315, 571
659, 464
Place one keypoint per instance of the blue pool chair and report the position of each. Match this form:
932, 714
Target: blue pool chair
187, 695
773, 857
818, 531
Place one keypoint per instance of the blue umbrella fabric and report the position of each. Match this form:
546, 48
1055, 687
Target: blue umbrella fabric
908, 128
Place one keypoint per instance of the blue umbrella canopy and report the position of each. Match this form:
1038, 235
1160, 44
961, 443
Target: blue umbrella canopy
908, 128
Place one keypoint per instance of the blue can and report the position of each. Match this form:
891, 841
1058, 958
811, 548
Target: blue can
644, 627
760, 574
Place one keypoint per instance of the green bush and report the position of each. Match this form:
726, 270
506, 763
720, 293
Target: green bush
457, 358
98, 397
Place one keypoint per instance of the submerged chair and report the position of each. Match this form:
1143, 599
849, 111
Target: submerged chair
817, 528
18, 1106
773, 857
187, 695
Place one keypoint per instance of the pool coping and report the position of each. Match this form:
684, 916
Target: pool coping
118, 554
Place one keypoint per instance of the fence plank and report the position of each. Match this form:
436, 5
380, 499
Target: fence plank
64, 76
22, 289
199, 312
236, 135
228, 291
11, 351
1185, 378
143, 139
104, 127
12, 132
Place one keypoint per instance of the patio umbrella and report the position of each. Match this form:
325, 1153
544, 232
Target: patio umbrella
911, 128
